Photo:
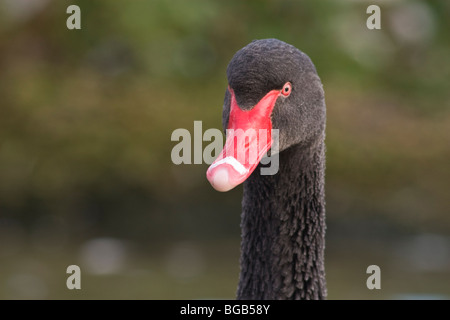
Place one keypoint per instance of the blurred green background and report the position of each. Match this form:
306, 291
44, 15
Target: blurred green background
86, 118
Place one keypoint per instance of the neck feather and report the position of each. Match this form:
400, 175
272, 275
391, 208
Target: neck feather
283, 228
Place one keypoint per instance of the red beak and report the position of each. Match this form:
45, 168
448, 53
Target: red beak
249, 136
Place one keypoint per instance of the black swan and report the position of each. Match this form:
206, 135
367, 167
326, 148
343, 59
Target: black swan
273, 84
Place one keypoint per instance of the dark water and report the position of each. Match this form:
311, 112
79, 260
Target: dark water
412, 266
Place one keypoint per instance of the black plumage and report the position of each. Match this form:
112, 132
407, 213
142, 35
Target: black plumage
283, 215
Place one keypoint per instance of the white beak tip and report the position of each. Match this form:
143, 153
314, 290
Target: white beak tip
221, 181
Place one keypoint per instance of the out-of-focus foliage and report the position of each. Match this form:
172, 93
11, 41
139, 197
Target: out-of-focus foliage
86, 115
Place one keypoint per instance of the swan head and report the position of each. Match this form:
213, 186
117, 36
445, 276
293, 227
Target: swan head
271, 85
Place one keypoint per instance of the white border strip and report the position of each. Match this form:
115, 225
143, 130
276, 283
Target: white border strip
232, 161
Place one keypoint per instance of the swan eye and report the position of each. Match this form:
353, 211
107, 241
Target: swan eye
287, 88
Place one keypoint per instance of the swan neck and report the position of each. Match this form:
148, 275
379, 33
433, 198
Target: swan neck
283, 228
